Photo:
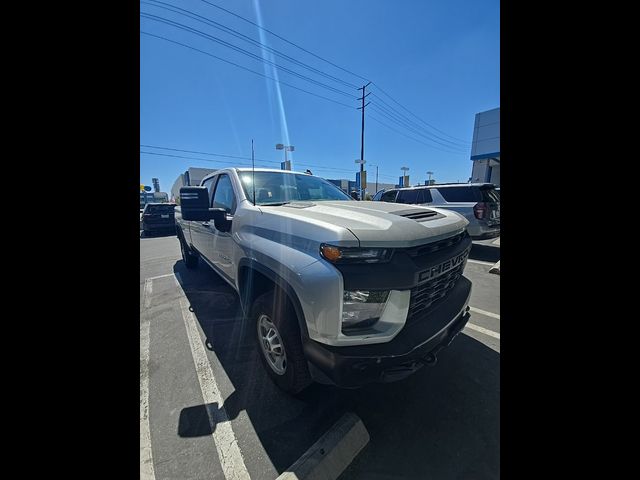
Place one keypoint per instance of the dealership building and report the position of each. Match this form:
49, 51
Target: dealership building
191, 177
485, 148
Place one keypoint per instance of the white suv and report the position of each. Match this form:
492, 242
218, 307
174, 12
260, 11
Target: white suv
478, 202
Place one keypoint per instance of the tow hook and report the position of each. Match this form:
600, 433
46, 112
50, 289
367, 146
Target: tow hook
430, 360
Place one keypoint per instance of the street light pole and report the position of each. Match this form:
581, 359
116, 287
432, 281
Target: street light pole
376, 177
429, 173
404, 174
286, 148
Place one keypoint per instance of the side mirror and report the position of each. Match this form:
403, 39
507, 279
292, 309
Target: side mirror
219, 217
194, 203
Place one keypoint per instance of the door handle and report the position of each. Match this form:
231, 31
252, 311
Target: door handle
205, 224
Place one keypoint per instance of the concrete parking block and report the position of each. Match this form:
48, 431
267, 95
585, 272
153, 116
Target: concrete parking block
496, 268
332, 453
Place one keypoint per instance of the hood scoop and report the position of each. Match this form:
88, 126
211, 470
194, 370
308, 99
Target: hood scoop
298, 204
421, 215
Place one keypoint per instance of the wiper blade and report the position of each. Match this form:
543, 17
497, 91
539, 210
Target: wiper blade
274, 204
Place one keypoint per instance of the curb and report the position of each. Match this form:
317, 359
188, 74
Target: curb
332, 453
496, 268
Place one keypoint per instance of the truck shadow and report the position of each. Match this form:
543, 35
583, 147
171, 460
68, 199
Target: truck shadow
485, 253
421, 425
158, 234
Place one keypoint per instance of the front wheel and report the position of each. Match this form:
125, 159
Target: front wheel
278, 336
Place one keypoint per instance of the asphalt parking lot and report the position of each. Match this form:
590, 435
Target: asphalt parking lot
207, 407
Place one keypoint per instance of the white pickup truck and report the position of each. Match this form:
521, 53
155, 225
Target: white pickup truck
336, 290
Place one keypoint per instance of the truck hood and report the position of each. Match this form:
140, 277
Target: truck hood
378, 224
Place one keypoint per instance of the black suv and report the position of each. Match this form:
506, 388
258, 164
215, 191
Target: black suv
158, 217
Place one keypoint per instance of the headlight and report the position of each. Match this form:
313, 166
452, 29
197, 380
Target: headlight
362, 309
354, 255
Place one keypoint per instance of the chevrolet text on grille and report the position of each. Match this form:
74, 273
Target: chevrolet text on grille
444, 267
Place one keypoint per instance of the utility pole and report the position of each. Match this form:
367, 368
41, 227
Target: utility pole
363, 88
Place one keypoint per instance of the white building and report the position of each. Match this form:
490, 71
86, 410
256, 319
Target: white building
485, 149
192, 177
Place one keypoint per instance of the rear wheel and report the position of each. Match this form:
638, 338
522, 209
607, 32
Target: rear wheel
189, 258
278, 336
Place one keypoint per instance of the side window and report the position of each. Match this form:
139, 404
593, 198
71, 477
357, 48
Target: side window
209, 183
224, 196
425, 196
389, 196
409, 196
460, 194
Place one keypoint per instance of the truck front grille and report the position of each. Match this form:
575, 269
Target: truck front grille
425, 295
430, 248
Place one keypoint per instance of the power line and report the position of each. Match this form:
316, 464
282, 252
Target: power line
405, 135
247, 69
195, 158
206, 153
317, 167
332, 64
243, 51
418, 132
229, 30
284, 39
423, 121
246, 38
416, 125
408, 126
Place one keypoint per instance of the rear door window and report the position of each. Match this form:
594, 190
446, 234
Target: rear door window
460, 194
425, 196
389, 196
408, 196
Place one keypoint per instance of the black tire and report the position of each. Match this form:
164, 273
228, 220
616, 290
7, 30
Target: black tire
189, 258
280, 312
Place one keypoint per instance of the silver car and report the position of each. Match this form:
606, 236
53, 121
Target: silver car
479, 203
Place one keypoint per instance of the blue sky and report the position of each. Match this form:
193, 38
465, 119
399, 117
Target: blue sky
440, 59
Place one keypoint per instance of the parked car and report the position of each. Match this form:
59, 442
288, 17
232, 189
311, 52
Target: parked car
158, 217
333, 290
479, 203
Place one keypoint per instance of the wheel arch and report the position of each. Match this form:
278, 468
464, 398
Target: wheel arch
254, 279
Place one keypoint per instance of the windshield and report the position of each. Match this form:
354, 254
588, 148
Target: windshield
278, 188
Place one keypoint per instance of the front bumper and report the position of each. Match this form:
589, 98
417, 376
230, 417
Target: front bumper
417, 344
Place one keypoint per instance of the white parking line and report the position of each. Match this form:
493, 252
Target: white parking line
224, 438
480, 262
146, 458
477, 328
160, 276
484, 312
